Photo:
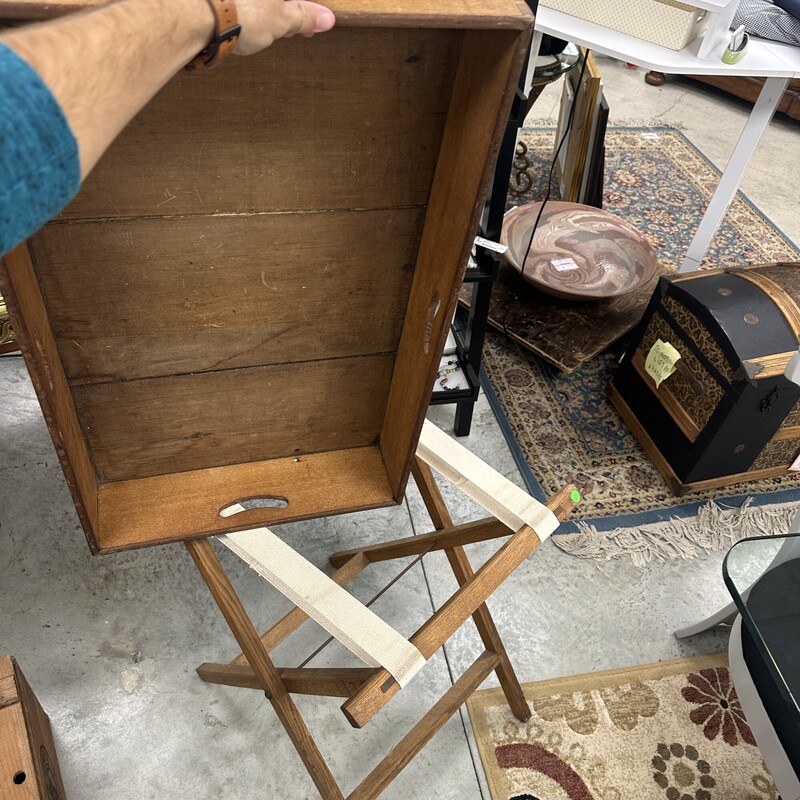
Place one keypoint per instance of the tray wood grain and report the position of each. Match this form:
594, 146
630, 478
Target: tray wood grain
256, 307
500, 14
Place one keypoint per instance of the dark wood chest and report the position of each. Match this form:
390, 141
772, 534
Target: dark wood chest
728, 413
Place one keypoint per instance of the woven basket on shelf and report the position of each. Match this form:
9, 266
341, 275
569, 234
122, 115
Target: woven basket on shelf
668, 23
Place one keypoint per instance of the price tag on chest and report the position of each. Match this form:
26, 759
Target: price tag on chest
660, 362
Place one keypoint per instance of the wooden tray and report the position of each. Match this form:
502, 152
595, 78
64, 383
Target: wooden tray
249, 296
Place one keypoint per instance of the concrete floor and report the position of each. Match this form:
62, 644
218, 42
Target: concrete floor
110, 644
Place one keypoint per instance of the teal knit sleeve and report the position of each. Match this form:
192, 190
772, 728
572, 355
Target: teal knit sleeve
39, 162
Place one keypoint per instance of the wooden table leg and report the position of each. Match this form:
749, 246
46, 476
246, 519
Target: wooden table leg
246, 635
459, 562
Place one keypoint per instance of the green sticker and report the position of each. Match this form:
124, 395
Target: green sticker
575, 496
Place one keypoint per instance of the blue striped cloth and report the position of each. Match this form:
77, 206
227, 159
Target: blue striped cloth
39, 162
768, 20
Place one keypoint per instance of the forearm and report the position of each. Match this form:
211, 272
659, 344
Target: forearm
68, 87
102, 66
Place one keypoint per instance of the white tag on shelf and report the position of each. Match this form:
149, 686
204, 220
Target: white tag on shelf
489, 245
650, 135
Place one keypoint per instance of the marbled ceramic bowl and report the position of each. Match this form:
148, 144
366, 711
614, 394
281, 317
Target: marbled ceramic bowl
579, 252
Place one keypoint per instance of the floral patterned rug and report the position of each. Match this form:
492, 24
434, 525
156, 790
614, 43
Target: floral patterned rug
668, 731
563, 429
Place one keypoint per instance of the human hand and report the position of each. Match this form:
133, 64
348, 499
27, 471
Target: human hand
264, 21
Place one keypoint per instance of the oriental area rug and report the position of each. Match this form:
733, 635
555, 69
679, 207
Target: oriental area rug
669, 731
561, 428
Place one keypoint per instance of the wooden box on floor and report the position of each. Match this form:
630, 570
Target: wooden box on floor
249, 296
28, 763
728, 414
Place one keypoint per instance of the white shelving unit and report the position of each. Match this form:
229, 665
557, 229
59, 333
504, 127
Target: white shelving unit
764, 59
720, 14
771, 60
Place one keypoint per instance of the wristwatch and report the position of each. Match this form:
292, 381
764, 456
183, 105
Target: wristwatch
226, 36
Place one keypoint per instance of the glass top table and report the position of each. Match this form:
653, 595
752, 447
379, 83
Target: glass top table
548, 68
763, 577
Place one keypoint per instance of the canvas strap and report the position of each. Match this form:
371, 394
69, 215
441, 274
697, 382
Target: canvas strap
358, 628
513, 506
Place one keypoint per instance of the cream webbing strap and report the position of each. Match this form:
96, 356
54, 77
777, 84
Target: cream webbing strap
487, 487
359, 629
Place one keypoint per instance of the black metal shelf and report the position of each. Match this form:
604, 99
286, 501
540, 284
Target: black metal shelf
483, 274
470, 374
487, 262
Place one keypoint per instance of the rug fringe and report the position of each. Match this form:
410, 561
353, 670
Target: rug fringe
533, 123
714, 528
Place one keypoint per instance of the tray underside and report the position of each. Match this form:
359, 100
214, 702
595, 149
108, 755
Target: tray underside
248, 296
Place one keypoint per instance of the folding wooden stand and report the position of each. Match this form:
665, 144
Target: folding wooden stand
368, 689
238, 322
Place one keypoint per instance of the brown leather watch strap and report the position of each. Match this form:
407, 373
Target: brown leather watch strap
226, 36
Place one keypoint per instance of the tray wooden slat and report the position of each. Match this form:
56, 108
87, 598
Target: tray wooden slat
208, 293
185, 422
373, 13
352, 119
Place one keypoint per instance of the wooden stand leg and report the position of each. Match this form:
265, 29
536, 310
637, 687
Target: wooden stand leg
401, 755
431, 635
242, 628
459, 562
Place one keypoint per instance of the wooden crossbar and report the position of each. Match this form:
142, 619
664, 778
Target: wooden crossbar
325, 682
482, 530
380, 688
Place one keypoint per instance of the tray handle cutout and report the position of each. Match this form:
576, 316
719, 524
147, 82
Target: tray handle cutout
251, 503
